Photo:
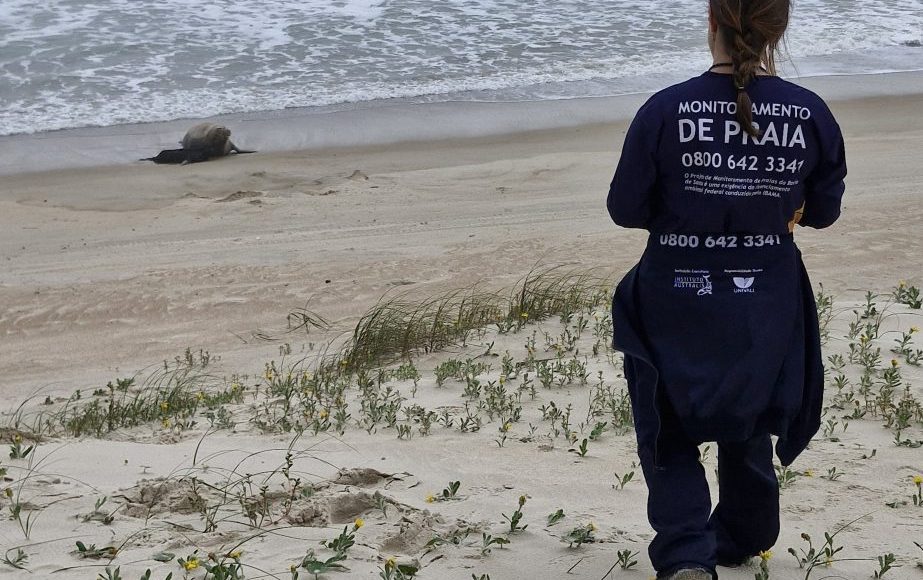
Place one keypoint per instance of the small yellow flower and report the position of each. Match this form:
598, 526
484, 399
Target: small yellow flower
809, 473
191, 563
200, 396
165, 423
323, 414
391, 563
17, 438
164, 406
430, 498
765, 555
522, 500
235, 554
592, 526
894, 363
524, 315
502, 379
8, 492
918, 480
914, 329
292, 568
358, 523
507, 426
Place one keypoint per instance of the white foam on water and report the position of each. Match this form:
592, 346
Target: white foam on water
71, 63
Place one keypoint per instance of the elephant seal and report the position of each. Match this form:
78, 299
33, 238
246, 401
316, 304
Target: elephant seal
201, 143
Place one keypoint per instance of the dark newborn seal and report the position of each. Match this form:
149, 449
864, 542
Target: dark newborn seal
201, 143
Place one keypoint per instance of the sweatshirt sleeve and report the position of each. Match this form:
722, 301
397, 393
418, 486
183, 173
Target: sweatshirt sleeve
824, 187
630, 192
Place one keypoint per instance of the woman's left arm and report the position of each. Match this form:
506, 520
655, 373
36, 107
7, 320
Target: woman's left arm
824, 187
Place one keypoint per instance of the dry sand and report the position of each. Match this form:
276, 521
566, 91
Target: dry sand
110, 270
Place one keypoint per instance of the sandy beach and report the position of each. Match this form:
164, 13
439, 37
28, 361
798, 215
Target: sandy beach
110, 270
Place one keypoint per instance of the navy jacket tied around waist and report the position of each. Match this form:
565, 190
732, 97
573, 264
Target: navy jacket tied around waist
727, 336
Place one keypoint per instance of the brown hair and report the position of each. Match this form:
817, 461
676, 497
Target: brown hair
751, 30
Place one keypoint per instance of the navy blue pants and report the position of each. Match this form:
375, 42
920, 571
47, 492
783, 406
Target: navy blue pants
688, 533
707, 362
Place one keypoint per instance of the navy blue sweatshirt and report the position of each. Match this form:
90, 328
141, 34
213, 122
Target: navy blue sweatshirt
687, 165
717, 320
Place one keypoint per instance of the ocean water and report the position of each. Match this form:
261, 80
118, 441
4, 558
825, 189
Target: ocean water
80, 63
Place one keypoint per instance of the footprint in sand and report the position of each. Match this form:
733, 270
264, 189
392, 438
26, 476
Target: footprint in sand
238, 195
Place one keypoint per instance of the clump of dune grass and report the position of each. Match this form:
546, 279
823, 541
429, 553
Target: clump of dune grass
396, 328
173, 395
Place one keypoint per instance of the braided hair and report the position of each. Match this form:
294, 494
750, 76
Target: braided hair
752, 30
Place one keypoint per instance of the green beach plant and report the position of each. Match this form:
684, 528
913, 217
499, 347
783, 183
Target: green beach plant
488, 542
811, 557
763, 571
515, 519
885, 564
578, 536
785, 476
622, 480
393, 570
346, 540
17, 451
554, 518
15, 558
314, 566
908, 295
581, 449
450, 492
627, 559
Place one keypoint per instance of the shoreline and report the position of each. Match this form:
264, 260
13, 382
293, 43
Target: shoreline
377, 124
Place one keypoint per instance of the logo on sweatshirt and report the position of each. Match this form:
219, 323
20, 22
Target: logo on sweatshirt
698, 280
744, 280
743, 283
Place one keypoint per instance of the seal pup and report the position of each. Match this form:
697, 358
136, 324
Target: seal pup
201, 143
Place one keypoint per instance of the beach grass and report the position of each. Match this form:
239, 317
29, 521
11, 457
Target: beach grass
401, 326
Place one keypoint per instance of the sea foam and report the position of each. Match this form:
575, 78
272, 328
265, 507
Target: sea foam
70, 63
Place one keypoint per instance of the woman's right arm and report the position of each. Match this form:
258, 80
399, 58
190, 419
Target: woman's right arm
631, 190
